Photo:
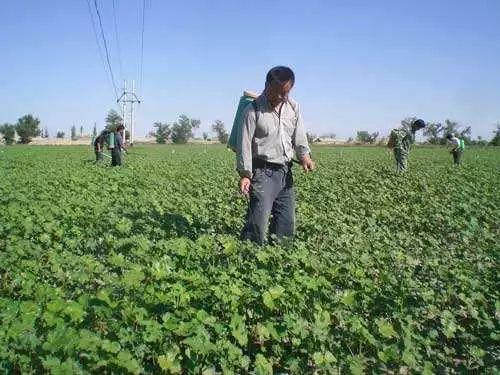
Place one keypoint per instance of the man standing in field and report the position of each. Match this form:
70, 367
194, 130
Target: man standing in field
400, 142
117, 147
457, 148
272, 130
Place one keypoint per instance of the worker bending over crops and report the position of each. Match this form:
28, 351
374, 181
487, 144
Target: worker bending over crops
99, 145
457, 148
400, 142
271, 131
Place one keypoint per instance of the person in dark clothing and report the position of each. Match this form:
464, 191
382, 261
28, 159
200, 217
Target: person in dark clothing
117, 147
400, 142
457, 148
99, 145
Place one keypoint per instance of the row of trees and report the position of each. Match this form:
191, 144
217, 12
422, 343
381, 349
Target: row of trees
434, 131
182, 130
26, 127
178, 132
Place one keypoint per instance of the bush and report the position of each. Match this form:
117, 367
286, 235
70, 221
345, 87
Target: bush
9, 133
27, 128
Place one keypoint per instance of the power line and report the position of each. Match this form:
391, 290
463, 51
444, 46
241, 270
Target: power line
97, 42
106, 49
142, 44
117, 41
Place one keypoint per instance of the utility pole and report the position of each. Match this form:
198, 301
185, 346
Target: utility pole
128, 98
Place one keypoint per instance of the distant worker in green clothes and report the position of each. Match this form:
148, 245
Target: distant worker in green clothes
457, 148
99, 145
400, 142
116, 145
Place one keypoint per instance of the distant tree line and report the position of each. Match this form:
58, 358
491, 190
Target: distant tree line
436, 133
182, 130
28, 127
179, 132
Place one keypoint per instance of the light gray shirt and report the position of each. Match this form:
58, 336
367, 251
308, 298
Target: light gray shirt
270, 134
454, 142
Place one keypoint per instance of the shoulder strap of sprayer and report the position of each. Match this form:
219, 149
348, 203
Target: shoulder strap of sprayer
254, 105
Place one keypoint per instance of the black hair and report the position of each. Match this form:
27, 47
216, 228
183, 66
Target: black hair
449, 136
280, 74
418, 124
120, 127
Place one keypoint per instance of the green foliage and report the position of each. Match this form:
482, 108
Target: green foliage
60, 134
436, 132
219, 129
162, 132
365, 137
145, 273
182, 130
113, 119
74, 137
8, 132
433, 131
27, 127
495, 141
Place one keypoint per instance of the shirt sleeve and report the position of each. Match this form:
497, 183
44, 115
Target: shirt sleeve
244, 154
300, 138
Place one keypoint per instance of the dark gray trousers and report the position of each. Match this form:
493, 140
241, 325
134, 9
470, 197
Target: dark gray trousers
457, 156
116, 157
271, 194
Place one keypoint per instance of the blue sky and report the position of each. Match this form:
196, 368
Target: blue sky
360, 65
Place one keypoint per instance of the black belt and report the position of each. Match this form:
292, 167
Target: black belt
259, 163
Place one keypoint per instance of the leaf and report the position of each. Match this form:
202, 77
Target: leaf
124, 359
268, 300
169, 362
272, 295
348, 298
133, 278
75, 311
386, 329
238, 329
110, 346
409, 358
357, 366
428, 368
262, 365
449, 324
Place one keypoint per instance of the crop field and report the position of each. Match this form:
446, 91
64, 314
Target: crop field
139, 269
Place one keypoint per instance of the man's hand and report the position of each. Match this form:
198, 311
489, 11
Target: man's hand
307, 163
245, 186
